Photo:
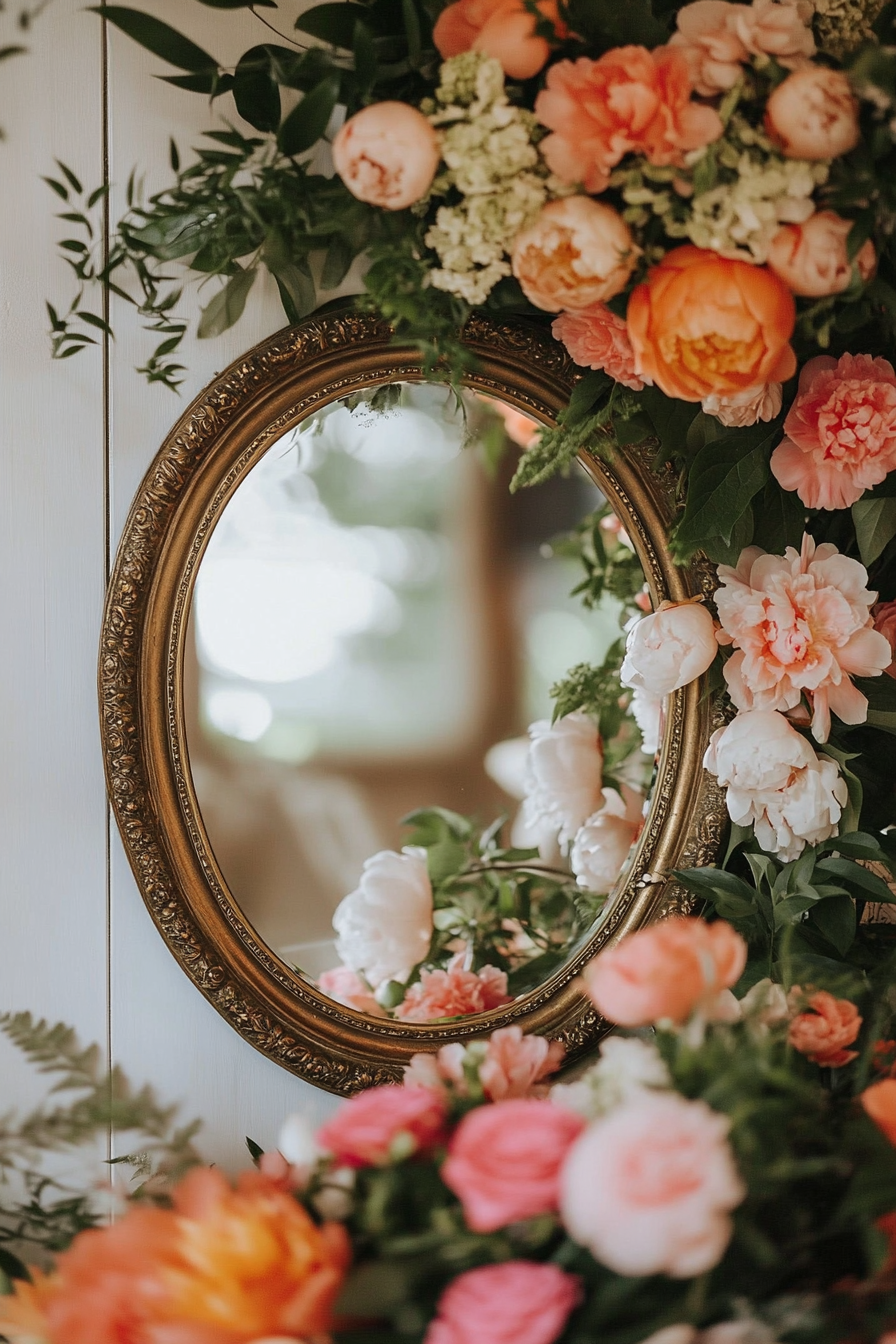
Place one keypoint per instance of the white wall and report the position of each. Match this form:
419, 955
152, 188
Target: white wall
75, 439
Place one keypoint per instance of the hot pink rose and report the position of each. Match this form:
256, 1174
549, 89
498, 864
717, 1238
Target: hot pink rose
841, 431
800, 624
814, 114
504, 1161
454, 993
666, 971
387, 154
648, 1189
597, 339
811, 257
576, 253
514, 1064
370, 1129
346, 986
884, 614
518, 1302
823, 1032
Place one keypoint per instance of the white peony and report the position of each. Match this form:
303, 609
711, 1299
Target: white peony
385, 926
604, 843
669, 648
647, 712
627, 1067
564, 774
776, 783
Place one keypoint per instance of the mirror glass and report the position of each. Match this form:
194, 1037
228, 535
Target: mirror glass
375, 630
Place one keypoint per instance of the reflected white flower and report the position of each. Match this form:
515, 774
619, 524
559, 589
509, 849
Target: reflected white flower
564, 774
296, 1141
647, 712
604, 843
385, 926
627, 1066
669, 648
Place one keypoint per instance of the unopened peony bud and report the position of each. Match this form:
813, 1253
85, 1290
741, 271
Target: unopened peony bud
669, 649
387, 154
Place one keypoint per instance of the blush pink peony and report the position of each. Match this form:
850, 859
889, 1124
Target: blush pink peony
518, 1302
504, 1161
717, 39
811, 257
346, 986
841, 431
745, 408
367, 1129
564, 774
814, 114
666, 972
668, 649
597, 339
575, 253
385, 925
884, 615
604, 843
454, 993
825, 1029
649, 1188
800, 624
387, 154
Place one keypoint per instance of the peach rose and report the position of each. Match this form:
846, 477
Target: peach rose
346, 986
649, 1187
814, 114
669, 649
879, 1104
822, 1033
745, 408
387, 154
811, 257
666, 972
597, 339
577, 252
841, 431
801, 625
454, 993
629, 100
884, 616
374, 1127
518, 1302
504, 1161
704, 324
504, 29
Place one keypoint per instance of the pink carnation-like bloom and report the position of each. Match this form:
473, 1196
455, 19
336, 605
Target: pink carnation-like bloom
519, 1302
365, 1129
504, 1161
800, 624
512, 1065
454, 993
597, 339
884, 614
346, 986
841, 431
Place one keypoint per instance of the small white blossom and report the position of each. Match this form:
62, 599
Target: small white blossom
627, 1066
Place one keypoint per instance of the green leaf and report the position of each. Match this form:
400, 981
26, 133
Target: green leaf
856, 876
836, 920
412, 29
158, 37
779, 518
366, 63
306, 123
881, 694
444, 860
340, 255
875, 524
725, 477
209, 82
333, 23
584, 396
671, 419
227, 305
255, 1149
256, 95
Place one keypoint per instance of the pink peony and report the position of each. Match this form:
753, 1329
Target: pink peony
717, 38
800, 624
575, 253
372, 1128
514, 1064
454, 993
518, 1302
504, 1161
597, 339
346, 986
604, 843
814, 114
811, 257
387, 154
670, 648
841, 431
666, 972
825, 1029
745, 408
648, 1188
884, 614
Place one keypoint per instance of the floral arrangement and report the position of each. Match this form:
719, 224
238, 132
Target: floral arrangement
726, 1173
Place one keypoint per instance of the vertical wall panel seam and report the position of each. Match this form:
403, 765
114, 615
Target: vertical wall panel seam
107, 510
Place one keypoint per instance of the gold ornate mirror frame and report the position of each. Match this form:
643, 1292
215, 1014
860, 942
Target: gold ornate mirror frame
217, 440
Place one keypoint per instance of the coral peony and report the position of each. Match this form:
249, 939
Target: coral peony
841, 431
385, 926
776, 783
666, 972
518, 1302
383, 1123
884, 617
745, 408
702, 324
597, 339
878, 1102
564, 774
454, 993
800, 624
604, 843
503, 29
346, 986
668, 649
823, 1032
814, 114
504, 1161
648, 1188
630, 99
811, 257
577, 252
387, 154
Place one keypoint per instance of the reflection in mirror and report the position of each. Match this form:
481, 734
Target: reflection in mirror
376, 628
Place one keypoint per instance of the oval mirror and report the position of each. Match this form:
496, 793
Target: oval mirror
333, 647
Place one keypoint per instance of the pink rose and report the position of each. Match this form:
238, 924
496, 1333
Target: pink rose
346, 986
504, 1161
744, 408
597, 339
884, 614
454, 993
383, 1123
669, 649
518, 1302
841, 431
514, 1064
814, 114
801, 625
648, 1188
666, 972
825, 1029
811, 257
387, 154
576, 253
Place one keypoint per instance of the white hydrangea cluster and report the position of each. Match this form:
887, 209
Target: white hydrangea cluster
491, 161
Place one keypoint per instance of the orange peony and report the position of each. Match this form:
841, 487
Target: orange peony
879, 1104
503, 29
702, 324
822, 1033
